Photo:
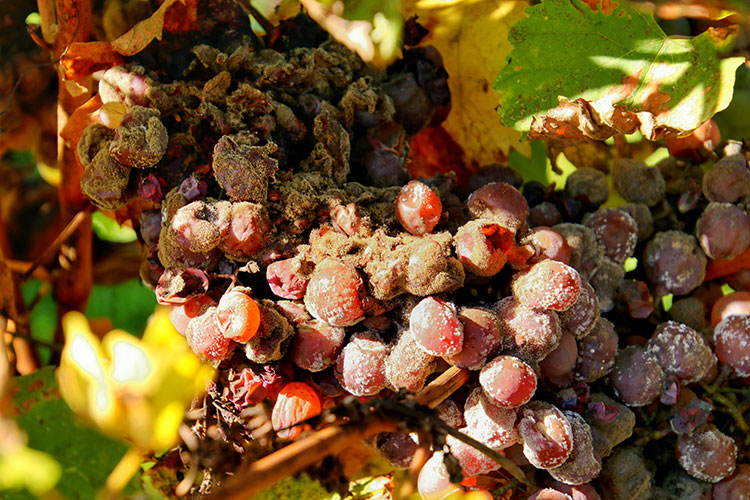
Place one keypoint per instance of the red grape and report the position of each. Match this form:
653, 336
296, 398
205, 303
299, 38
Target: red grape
707, 453
547, 244
734, 487
579, 319
285, 280
418, 208
248, 230
490, 423
206, 339
596, 352
531, 333
615, 230
434, 480
482, 338
636, 376
681, 351
723, 231
735, 303
334, 293
473, 462
436, 327
316, 345
546, 435
500, 202
407, 365
509, 381
558, 365
582, 466
237, 316
547, 285
480, 246
732, 343
728, 180
296, 403
674, 262
360, 367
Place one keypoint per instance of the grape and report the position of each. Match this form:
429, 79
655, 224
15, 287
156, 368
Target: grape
398, 449
694, 146
245, 388
606, 280
428, 271
579, 319
334, 293
728, 180
558, 365
732, 343
413, 107
95, 137
273, 338
346, 219
473, 462
641, 214
418, 208
546, 435
707, 453
636, 295
177, 286
480, 246
723, 230
547, 285
384, 168
181, 314
589, 183
141, 139
550, 494
360, 367
248, 231
434, 480
296, 403
532, 333
544, 214
105, 182
237, 316
577, 492
242, 168
596, 352
285, 279
611, 422
436, 327
482, 338
205, 339
681, 351
508, 380
494, 173
316, 345
585, 252
500, 202
735, 303
615, 230
489, 422
636, 376
626, 475
193, 189
582, 465
150, 226
547, 244
734, 487
201, 225
638, 183
449, 412
407, 365
674, 262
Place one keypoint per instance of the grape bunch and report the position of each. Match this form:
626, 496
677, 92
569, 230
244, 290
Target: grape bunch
267, 179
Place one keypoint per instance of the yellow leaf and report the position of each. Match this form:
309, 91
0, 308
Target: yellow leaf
472, 37
143, 33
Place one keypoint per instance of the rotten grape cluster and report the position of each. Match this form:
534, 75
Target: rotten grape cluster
268, 182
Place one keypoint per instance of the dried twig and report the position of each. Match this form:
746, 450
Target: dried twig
442, 387
66, 233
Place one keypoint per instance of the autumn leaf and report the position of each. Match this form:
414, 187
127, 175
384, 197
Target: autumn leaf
471, 36
621, 73
83, 58
143, 33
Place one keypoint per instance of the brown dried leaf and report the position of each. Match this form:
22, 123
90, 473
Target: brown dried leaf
144, 32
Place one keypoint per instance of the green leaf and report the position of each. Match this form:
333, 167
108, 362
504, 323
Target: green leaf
128, 305
108, 229
86, 456
619, 61
24, 468
43, 318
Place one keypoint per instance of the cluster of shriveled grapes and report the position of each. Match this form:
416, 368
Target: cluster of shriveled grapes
279, 223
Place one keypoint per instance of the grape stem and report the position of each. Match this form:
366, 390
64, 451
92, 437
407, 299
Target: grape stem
731, 408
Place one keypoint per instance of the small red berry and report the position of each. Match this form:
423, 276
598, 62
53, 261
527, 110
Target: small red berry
418, 208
